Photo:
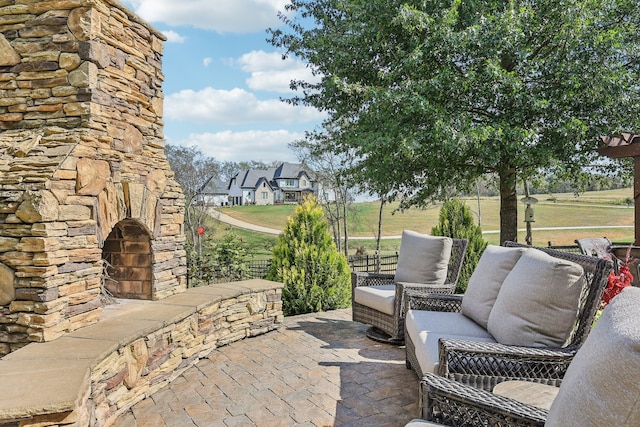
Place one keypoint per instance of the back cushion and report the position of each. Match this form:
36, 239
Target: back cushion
493, 267
423, 258
600, 387
538, 302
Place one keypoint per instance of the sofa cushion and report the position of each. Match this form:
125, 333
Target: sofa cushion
600, 387
423, 258
538, 302
421, 423
425, 328
493, 267
380, 298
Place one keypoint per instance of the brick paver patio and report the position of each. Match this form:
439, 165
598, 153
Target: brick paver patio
316, 370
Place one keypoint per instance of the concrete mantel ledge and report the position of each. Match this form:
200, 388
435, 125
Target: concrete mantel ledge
92, 375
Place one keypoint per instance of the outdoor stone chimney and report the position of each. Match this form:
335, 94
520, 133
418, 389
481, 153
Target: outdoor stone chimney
83, 173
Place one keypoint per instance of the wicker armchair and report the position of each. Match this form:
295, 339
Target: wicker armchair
599, 389
485, 364
390, 327
599, 246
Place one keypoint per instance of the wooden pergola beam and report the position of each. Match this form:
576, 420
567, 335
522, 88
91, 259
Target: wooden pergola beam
632, 150
624, 146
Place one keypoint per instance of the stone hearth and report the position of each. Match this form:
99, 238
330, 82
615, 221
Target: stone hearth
83, 174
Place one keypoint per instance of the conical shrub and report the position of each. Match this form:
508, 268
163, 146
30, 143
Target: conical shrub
315, 274
456, 221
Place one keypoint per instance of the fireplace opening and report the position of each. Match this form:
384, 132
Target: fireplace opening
127, 252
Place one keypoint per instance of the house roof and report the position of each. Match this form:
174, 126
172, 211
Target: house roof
266, 181
252, 178
215, 186
249, 178
291, 170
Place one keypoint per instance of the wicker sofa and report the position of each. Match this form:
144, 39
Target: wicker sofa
599, 389
524, 316
426, 263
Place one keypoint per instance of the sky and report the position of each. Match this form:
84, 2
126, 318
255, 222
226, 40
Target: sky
224, 82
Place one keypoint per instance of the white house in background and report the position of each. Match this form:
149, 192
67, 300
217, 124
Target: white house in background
213, 193
287, 183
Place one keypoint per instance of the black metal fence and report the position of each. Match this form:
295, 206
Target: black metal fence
258, 268
369, 263
365, 263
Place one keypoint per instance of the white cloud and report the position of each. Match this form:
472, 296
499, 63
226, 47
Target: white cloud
207, 61
173, 37
265, 146
270, 73
233, 107
230, 16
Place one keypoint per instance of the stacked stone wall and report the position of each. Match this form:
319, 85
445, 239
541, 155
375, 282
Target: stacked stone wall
81, 149
152, 347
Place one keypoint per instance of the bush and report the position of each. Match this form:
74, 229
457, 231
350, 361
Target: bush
316, 276
456, 221
221, 260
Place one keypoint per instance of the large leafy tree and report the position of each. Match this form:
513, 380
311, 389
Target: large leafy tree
433, 94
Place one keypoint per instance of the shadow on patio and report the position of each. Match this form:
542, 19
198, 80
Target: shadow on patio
316, 370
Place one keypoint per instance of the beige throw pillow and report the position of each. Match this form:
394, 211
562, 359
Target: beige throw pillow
493, 267
600, 387
423, 258
538, 302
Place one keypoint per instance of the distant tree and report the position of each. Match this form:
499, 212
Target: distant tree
193, 170
456, 221
335, 194
228, 170
431, 95
315, 274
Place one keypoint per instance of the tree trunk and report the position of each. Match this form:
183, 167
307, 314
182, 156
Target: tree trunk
379, 237
508, 206
337, 233
345, 222
479, 207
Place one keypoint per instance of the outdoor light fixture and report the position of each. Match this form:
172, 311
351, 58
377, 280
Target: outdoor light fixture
528, 215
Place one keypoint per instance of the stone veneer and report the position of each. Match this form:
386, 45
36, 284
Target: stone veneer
93, 375
81, 155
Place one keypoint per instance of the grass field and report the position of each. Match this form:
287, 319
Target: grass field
595, 211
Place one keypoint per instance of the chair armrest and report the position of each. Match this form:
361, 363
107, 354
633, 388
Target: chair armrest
455, 404
484, 364
428, 288
359, 278
418, 300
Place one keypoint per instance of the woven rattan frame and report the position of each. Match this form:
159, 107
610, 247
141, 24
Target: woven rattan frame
393, 325
451, 403
483, 365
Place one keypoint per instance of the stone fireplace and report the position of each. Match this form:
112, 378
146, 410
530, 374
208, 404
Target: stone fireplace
83, 174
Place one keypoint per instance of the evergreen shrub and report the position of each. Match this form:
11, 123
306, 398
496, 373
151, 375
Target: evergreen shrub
315, 274
456, 221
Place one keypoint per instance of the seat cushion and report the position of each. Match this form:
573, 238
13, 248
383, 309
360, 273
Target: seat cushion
425, 328
529, 392
600, 387
423, 258
493, 267
537, 305
421, 423
381, 298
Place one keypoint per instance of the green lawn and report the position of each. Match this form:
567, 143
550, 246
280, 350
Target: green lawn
602, 208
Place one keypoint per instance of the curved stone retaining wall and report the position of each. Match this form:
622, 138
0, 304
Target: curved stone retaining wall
92, 375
